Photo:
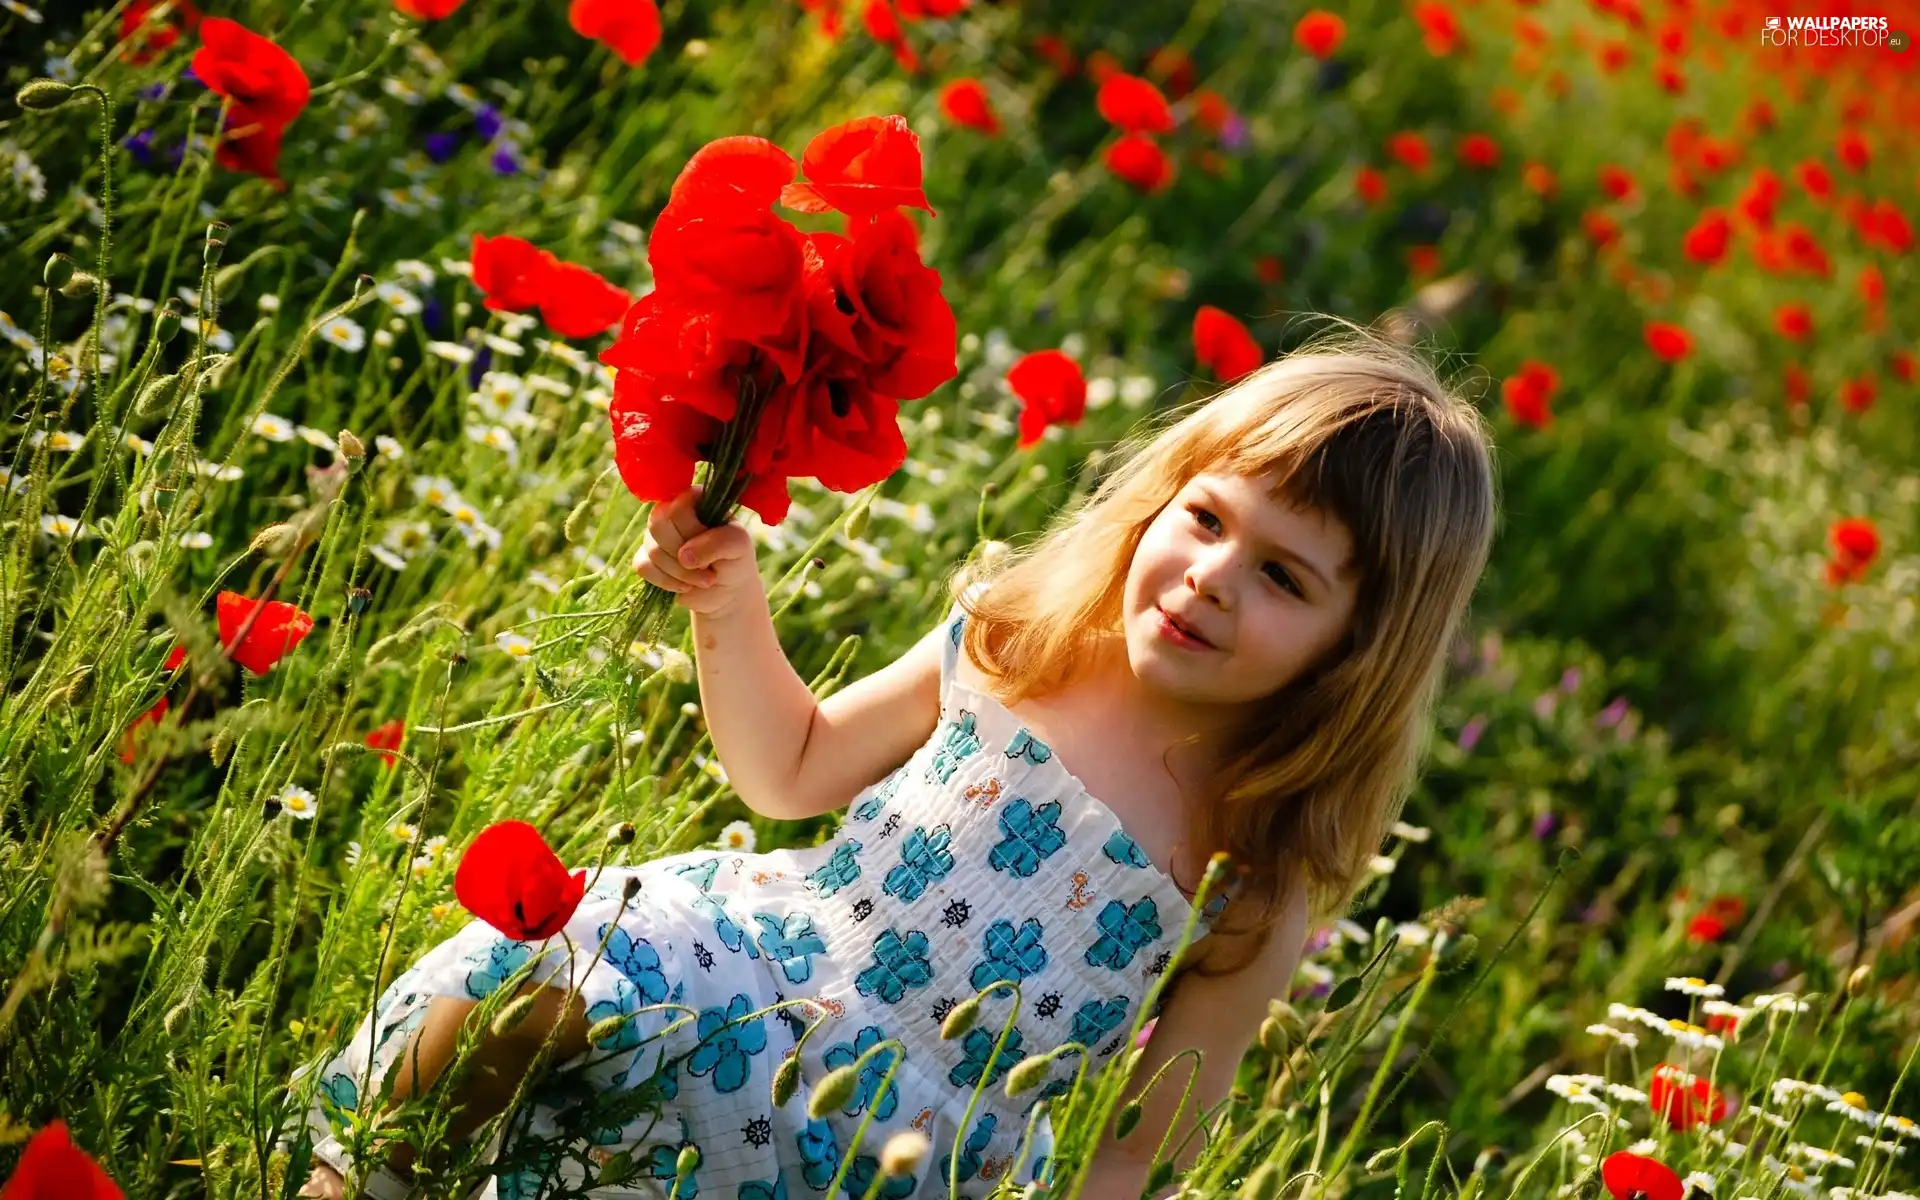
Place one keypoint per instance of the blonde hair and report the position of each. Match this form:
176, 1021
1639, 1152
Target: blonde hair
1352, 424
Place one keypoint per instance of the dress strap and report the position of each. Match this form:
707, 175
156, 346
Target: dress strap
956, 623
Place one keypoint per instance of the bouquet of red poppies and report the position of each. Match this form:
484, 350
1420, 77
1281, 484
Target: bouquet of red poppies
769, 353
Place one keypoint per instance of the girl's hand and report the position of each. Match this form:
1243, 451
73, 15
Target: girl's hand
708, 569
324, 1184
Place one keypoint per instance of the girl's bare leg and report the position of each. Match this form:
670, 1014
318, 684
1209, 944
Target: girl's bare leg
501, 1061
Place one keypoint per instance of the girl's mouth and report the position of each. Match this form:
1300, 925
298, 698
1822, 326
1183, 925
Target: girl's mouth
1178, 634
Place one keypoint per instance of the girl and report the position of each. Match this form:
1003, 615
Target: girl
1231, 645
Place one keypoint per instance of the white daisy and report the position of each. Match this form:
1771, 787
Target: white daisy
353, 854
137, 444
421, 865
497, 437
435, 845
1693, 986
1692, 1036
514, 644
737, 836
216, 471
1781, 1001
297, 802
436, 490
1853, 1106
475, 530
1626, 1039
217, 337
274, 429
315, 437
404, 831
1381, 864
387, 447
399, 299
1410, 833
452, 352
1818, 1157
1698, 1180
415, 270
506, 346
269, 303
64, 527
711, 768
64, 440
345, 333
197, 540
1797, 1180
1136, 390
12, 332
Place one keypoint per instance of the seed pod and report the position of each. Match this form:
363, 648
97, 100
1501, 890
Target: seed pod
166, 322
1027, 1074
1161, 1174
786, 1080
961, 1019
43, 95
630, 888
1273, 1037
833, 1092
688, 1160
510, 1017
275, 540
357, 598
217, 232
1857, 982
351, 447
857, 523
78, 287
621, 834
157, 396
58, 270
1128, 1118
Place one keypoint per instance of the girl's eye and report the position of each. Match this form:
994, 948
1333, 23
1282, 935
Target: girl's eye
1275, 571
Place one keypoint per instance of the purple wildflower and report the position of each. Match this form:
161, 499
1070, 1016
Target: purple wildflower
156, 91
1146, 1031
1612, 714
140, 145
1570, 680
1545, 824
1471, 731
1234, 134
441, 144
504, 163
477, 370
487, 122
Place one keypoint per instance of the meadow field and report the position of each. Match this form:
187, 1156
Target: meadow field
316, 530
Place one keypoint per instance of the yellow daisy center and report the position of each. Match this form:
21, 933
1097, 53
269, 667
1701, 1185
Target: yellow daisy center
463, 513
1854, 1099
435, 495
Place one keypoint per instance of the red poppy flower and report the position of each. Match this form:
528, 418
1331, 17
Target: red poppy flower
1223, 345
1052, 391
175, 657
513, 881
1872, 286
1794, 321
1423, 260
876, 299
1762, 194
1803, 251
1853, 151
1371, 185
1706, 928
1814, 179
1706, 243
1616, 181
863, 167
964, 102
1685, 1100
53, 1168
1858, 395
511, 272
1479, 151
1670, 77
1269, 269
1905, 367
1614, 57
278, 629
428, 10
1174, 67
1760, 117
1053, 48
1134, 104
130, 740
387, 737
1527, 392
1410, 149
265, 87
147, 36
1136, 159
578, 303
1211, 111
1439, 28
1320, 33
629, 28
1539, 179
1887, 227
1670, 342
1636, 1177
1856, 543
656, 438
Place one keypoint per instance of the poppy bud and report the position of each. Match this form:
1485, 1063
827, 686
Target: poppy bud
833, 1091
81, 285
786, 1080
275, 540
1216, 870
357, 598
990, 489
676, 665
857, 523
1489, 1161
961, 1019
157, 396
221, 745
607, 1028
351, 447
166, 322
1263, 1183
1160, 1175
1857, 982
43, 95
689, 1159
1128, 1118
58, 270
903, 1153
621, 834
817, 563
1273, 1037
362, 284
1027, 1074
509, 1018
630, 888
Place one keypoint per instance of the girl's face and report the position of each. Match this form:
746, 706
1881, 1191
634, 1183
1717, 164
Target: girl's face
1264, 586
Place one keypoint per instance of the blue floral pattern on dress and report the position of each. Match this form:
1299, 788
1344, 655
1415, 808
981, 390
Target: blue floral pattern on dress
756, 1190
869, 1093
663, 1162
899, 963
635, 958
959, 744
859, 1178
1032, 836
870, 808
493, 964
1011, 954
624, 1002
840, 870
728, 1044
1095, 1019
1124, 931
1124, 850
819, 1154
790, 944
979, 1048
924, 861
341, 1091
731, 935
976, 1145
1025, 745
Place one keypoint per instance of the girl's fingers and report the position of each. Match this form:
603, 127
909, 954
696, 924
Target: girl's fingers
660, 568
